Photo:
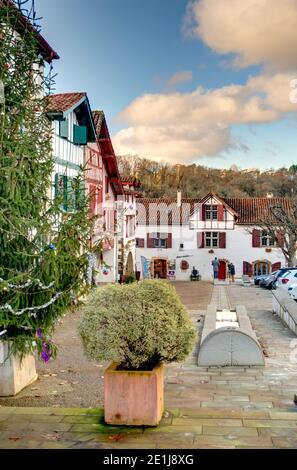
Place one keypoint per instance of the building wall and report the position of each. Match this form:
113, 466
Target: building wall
238, 249
104, 208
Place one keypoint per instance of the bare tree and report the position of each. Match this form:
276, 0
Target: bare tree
279, 223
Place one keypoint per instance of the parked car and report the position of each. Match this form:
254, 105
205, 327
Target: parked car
287, 279
268, 281
292, 290
280, 273
257, 279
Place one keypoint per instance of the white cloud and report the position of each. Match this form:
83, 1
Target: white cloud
186, 126
180, 77
256, 31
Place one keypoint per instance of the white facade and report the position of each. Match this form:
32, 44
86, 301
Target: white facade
188, 245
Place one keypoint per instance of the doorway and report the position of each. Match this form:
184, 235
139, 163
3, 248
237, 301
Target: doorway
160, 269
222, 270
261, 268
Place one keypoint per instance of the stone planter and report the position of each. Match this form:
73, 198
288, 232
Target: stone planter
15, 374
133, 398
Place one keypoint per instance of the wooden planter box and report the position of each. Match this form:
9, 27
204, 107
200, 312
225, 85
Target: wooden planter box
133, 398
14, 374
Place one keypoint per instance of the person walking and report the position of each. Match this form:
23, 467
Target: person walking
231, 269
215, 265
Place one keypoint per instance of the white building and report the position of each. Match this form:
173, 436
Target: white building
126, 219
73, 128
173, 238
104, 187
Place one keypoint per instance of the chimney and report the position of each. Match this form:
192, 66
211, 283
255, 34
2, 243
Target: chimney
269, 195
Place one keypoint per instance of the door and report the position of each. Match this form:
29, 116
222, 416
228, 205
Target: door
160, 269
261, 268
222, 271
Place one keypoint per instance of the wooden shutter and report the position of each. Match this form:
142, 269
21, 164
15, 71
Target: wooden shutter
57, 193
149, 240
222, 239
203, 216
280, 239
256, 238
65, 192
200, 239
220, 213
63, 129
169, 240
247, 269
140, 242
80, 135
276, 266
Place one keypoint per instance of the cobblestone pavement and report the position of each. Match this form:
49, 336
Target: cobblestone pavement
232, 407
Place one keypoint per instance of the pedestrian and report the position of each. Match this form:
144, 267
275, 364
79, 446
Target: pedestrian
215, 265
231, 270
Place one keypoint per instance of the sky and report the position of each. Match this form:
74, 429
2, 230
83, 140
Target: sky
184, 81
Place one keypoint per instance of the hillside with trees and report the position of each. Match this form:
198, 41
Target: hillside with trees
163, 179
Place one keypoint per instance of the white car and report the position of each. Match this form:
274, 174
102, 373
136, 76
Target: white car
288, 279
293, 291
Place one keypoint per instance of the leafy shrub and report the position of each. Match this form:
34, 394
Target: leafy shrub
136, 325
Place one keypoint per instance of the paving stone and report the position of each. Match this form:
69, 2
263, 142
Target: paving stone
267, 423
230, 432
206, 422
285, 443
278, 432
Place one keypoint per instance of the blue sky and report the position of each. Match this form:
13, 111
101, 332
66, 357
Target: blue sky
119, 50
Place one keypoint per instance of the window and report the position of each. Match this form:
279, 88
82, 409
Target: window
159, 240
267, 240
211, 239
211, 212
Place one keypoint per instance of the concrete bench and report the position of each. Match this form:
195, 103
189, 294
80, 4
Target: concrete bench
229, 345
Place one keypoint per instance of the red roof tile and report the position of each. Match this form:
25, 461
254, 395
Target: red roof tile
255, 210
165, 211
62, 102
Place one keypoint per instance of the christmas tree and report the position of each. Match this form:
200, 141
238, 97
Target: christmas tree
43, 250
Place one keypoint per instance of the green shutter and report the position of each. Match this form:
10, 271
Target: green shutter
63, 129
65, 192
56, 185
80, 135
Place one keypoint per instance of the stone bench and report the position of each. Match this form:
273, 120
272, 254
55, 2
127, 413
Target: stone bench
229, 345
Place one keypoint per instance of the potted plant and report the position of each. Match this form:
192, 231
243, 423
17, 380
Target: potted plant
139, 327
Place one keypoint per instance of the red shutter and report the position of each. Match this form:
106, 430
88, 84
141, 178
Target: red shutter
169, 240
280, 239
220, 213
203, 217
247, 269
149, 240
200, 239
276, 266
222, 239
256, 238
140, 242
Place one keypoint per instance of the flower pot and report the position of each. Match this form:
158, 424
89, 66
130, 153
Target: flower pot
133, 398
15, 374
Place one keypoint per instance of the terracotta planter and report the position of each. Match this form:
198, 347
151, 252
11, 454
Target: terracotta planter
133, 398
15, 374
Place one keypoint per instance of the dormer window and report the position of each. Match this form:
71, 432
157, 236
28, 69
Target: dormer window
211, 212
